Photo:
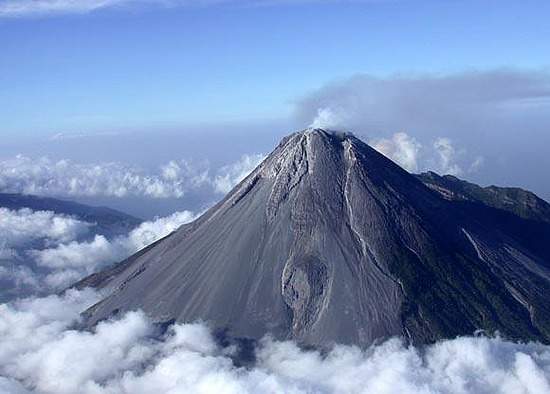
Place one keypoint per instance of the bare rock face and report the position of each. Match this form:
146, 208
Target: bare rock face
327, 241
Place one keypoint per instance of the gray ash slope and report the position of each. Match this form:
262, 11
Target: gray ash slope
327, 241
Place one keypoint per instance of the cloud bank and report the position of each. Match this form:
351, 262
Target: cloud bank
440, 155
43, 251
23, 226
229, 176
65, 178
44, 176
40, 352
71, 261
401, 148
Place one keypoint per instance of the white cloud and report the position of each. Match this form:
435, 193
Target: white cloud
446, 153
22, 230
229, 176
44, 176
29, 323
65, 178
149, 232
39, 352
66, 263
41, 250
18, 227
182, 172
171, 171
22, 276
440, 155
77, 254
327, 119
476, 164
401, 148
71, 261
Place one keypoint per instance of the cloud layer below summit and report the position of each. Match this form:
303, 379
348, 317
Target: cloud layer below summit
42, 251
66, 178
38, 347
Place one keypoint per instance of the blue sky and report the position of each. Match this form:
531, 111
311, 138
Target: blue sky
143, 65
145, 82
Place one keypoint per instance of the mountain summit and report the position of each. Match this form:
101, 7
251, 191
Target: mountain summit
328, 241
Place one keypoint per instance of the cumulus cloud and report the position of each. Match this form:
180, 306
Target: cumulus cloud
42, 250
41, 352
440, 155
401, 148
17, 279
71, 261
22, 230
182, 172
19, 227
44, 176
149, 232
326, 118
229, 176
66, 263
65, 178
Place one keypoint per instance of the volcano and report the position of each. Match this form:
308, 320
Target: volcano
328, 241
